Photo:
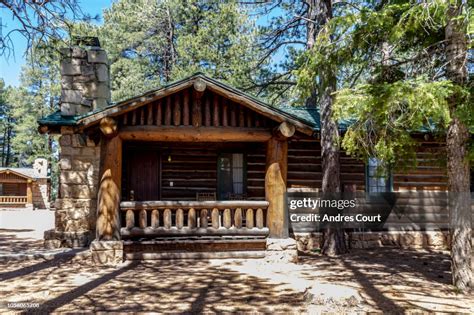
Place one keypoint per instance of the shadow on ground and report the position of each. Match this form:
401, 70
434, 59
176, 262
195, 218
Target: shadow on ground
389, 280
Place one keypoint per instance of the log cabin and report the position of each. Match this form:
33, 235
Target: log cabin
196, 167
25, 187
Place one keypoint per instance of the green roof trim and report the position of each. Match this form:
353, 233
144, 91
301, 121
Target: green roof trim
56, 119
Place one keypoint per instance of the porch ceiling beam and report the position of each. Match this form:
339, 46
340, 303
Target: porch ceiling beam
195, 134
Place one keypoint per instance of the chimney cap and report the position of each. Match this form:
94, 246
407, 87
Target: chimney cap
91, 41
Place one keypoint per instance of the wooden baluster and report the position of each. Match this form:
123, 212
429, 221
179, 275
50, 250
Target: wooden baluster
134, 117
207, 112
249, 219
203, 219
168, 111
215, 218
238, 218
249, 119
125, 119
130, 219
192, 218
197, 111
179, 218
167, 219
177, 110
233, 116
215, 112
142, 116
241, 117
257, 120
149, 117
225, 113
259, 218
186, 107
158, 114
227, 220
142, 219
155, 218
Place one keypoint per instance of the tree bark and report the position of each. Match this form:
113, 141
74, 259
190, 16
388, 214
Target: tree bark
457, 139
333, 236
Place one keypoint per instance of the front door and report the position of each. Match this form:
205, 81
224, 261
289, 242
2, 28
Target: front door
143, 175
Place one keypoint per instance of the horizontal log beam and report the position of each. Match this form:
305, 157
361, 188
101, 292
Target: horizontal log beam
228, 204
195, 134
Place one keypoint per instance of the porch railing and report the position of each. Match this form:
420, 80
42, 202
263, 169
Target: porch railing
13, 200
193, 218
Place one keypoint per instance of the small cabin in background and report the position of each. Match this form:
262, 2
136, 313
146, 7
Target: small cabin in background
22, 187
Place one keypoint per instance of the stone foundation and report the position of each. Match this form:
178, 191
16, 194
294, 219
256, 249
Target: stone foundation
57, 239
108, 253
281, 250
77, 203
438, 240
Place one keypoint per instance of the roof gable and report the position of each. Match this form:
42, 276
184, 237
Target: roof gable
306, 126
24, 173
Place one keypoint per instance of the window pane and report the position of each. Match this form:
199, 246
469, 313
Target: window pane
238, 173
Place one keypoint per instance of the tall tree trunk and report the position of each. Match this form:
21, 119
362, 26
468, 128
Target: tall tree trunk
334, 240
457, 151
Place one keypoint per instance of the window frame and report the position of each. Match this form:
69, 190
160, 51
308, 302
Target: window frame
388, 178
244, 171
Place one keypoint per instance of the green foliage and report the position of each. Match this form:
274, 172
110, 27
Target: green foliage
389, 113
36, 97
390, 61
151, 43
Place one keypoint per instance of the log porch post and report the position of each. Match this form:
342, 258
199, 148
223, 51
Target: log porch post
275, 181
108, 199
29, 192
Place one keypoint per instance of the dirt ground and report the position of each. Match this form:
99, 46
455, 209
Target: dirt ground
388, 280
383, 280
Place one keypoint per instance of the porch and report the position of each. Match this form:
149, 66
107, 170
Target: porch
15, 189
157, 157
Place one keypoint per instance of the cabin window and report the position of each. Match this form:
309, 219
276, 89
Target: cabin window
1, 189
378, 180
231, 175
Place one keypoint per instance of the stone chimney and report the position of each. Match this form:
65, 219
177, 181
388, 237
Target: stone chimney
85, 77
40, 167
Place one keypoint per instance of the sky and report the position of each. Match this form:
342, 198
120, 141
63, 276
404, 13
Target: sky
10, 67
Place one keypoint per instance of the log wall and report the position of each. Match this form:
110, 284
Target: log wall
189, 168
304, 168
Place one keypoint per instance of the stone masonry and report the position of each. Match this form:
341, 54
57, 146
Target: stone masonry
76, 206
85, 87
85, 82
434, 240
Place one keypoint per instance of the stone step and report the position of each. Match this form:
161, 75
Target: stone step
194, 255
202, 245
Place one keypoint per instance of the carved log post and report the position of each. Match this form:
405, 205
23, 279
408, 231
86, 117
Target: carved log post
249, 222
238, 218
108, 206
155, 218
275, 181
227, 219
192, 218
179, 218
